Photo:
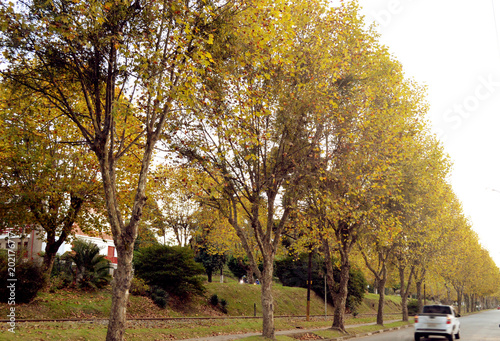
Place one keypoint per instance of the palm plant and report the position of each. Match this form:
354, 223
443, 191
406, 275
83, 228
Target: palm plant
91, 269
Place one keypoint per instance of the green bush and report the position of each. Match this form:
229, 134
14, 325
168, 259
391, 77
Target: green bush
138, 287
214, 300
160, 301
412, 307
159, 296
223, 305
62, 274
56, 283
29, 279
171, 268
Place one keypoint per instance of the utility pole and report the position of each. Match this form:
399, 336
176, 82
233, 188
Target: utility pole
309, 281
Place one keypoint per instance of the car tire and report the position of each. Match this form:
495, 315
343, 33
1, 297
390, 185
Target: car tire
457, 335
451, 337
417, 337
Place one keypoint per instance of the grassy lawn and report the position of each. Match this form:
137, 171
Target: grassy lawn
174, 330
241, 298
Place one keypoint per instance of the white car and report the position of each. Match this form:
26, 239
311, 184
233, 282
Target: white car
437, 320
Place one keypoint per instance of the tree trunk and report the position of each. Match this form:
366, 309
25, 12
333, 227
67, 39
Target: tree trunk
381, 299
250, 277
209, 275
48, 263
329, 268
459, 300
340, 298
448, 294
124, 236
309, 283
405, 289
375, 286
267, 300
380, 279
121, 285
419, 295
53, 245
51, 250
404, 306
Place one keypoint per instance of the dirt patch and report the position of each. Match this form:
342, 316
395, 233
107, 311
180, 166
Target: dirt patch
194, 306
307, 336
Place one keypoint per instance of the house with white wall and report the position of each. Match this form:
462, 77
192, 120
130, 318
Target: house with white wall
33, 243
103, 241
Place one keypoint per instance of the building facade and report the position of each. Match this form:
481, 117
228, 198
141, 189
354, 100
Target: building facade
32, 244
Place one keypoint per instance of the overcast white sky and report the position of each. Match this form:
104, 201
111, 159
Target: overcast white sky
452, 47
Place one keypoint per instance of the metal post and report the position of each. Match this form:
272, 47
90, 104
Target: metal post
309, 281
325, 298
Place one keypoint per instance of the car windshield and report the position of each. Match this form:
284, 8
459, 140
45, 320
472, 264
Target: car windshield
436, 309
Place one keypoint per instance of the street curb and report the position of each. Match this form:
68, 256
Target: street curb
347, 337
301, 332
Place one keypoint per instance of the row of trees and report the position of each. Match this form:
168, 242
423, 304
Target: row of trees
274, 119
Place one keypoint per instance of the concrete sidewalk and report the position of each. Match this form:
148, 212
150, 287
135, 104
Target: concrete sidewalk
295, 331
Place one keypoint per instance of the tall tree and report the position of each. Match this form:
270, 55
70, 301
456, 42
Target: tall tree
377, 114
176, 202
48, 181
426, 195
260, 127
135, 63
461, 260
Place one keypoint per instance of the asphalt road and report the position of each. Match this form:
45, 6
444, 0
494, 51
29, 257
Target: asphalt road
483, 326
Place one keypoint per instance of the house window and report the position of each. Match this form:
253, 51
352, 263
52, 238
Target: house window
111, 255
111, 251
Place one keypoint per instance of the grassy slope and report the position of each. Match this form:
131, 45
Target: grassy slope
168, 331
240, 298
288, 301
370, 304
